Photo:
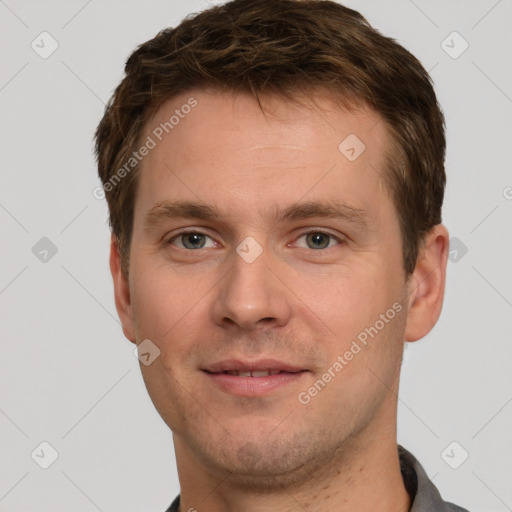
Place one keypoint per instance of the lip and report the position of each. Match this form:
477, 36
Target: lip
249, 366
253, 386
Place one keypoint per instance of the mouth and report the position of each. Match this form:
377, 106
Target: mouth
272, 366
255, 373
256, 378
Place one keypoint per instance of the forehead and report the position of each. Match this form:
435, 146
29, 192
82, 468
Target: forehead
219, 146
312, 118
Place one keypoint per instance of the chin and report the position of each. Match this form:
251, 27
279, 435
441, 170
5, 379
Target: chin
260, 464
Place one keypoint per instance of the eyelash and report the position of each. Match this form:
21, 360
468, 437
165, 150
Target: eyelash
183, 233
338, 239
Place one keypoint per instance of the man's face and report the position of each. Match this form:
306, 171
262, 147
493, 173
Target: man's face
323, 262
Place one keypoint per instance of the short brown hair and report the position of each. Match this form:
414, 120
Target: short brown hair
283, 47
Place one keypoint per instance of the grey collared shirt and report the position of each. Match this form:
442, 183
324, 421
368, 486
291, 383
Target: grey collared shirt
424, 495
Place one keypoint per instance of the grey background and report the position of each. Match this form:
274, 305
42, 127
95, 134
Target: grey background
67, 374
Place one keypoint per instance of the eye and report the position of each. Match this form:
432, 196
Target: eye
317, 240
191, 240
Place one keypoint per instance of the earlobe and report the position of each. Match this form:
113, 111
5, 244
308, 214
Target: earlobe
121, 291
427, 284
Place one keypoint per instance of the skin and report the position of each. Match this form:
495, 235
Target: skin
294, 303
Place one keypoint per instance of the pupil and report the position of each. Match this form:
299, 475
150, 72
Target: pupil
193, 241
318, 240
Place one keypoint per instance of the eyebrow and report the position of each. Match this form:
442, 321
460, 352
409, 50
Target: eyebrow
302, 211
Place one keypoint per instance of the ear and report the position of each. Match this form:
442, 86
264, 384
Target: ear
427, 283
121, 291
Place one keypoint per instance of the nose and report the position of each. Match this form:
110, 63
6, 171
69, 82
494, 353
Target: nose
252, 295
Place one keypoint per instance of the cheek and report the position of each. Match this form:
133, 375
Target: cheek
163, 301
348, 295
360, 306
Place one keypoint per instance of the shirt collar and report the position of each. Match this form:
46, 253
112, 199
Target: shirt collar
424, 495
